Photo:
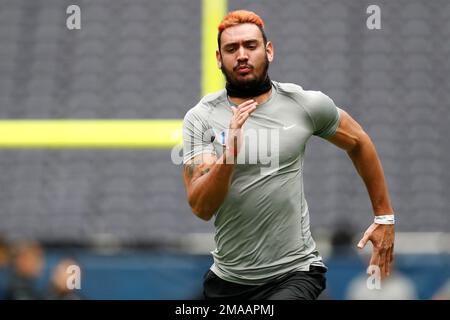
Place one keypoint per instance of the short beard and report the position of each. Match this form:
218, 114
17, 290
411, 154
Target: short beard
247, 84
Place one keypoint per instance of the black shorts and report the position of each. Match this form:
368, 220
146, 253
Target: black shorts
298, 285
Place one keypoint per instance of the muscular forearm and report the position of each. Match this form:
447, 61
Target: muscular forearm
368, 165
209, 190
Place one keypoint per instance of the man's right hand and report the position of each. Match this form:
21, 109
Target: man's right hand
240, 115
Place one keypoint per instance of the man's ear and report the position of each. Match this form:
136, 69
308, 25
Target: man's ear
269, 51
219, 60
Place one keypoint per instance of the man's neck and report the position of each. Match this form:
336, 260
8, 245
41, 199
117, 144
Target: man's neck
260, 99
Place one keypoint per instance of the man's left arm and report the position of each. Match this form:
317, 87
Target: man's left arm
351, 137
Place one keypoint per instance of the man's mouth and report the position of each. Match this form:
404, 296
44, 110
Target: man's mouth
243, 69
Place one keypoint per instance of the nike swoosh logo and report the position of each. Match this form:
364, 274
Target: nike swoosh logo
289, 127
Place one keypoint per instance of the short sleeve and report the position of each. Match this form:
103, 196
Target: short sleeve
197, 135
325, 116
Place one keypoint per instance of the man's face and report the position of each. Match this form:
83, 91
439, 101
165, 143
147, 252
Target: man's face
243, 57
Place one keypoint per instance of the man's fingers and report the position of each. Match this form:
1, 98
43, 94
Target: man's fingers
392, 253
251, 106
243, 106
243, 116
242, 119
245, 103
388, 261
382, 263
246, 110
362, 243
375, 258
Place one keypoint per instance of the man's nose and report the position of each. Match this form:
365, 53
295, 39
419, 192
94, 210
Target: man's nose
242, 54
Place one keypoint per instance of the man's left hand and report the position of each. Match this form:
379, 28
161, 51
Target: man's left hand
382, 238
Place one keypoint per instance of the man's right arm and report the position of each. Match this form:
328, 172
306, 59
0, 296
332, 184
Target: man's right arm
207, 178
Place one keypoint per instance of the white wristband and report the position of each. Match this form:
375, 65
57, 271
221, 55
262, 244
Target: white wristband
385, 219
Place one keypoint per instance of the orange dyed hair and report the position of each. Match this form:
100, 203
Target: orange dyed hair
234, 18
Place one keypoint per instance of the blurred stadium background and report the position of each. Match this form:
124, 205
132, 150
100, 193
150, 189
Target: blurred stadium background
121, 211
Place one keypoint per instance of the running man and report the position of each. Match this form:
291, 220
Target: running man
264, 248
